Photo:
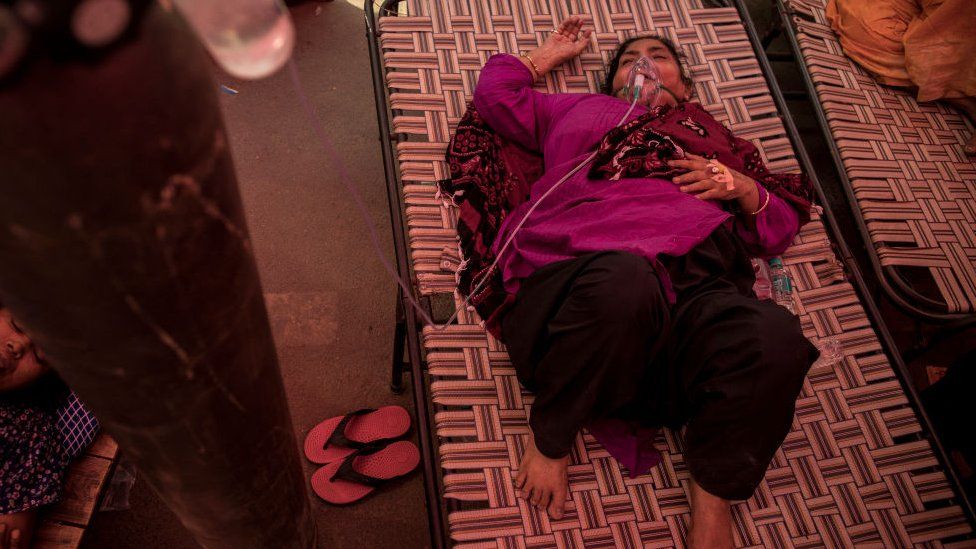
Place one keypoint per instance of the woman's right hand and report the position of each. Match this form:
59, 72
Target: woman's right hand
565, 42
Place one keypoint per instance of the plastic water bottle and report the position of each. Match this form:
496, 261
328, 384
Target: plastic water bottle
763, 287
247, 38
830, 351
782, 286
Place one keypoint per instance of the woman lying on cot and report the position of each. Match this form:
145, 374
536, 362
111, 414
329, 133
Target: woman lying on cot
632, 281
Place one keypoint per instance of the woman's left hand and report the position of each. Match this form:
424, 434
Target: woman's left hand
563, 43
698, 181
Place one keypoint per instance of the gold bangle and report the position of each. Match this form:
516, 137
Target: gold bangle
765, 203
535, 67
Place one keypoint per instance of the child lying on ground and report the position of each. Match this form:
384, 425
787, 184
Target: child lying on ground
34, 453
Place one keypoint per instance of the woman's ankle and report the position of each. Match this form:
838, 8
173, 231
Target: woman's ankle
711, 519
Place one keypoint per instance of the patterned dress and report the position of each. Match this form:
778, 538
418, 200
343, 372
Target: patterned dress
42, 428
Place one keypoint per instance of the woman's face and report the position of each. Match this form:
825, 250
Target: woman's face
20, 363
666, 63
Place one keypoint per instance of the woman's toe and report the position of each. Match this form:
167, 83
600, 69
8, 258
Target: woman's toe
970, 147
544, 500
556, 509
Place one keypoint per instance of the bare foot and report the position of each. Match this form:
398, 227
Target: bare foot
711, 520
543, 481
968, 106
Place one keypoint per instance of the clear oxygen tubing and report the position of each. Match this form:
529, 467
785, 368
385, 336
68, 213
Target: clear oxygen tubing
515, 231
639, 91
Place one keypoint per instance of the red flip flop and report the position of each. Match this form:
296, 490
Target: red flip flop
337, 437
357, 476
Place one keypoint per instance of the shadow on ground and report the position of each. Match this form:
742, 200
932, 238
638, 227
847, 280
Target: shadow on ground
330, 302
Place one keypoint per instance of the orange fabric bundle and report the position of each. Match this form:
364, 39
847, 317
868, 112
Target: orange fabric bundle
929, 44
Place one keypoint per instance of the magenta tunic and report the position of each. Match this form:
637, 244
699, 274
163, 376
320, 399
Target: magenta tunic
647, 217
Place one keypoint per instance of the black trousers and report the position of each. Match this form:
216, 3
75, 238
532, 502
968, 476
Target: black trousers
595, 337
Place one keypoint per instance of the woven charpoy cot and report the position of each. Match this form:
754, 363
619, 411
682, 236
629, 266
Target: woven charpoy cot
912, 184
63, 525
855, 468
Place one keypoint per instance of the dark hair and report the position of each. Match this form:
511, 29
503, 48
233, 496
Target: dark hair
615, 61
